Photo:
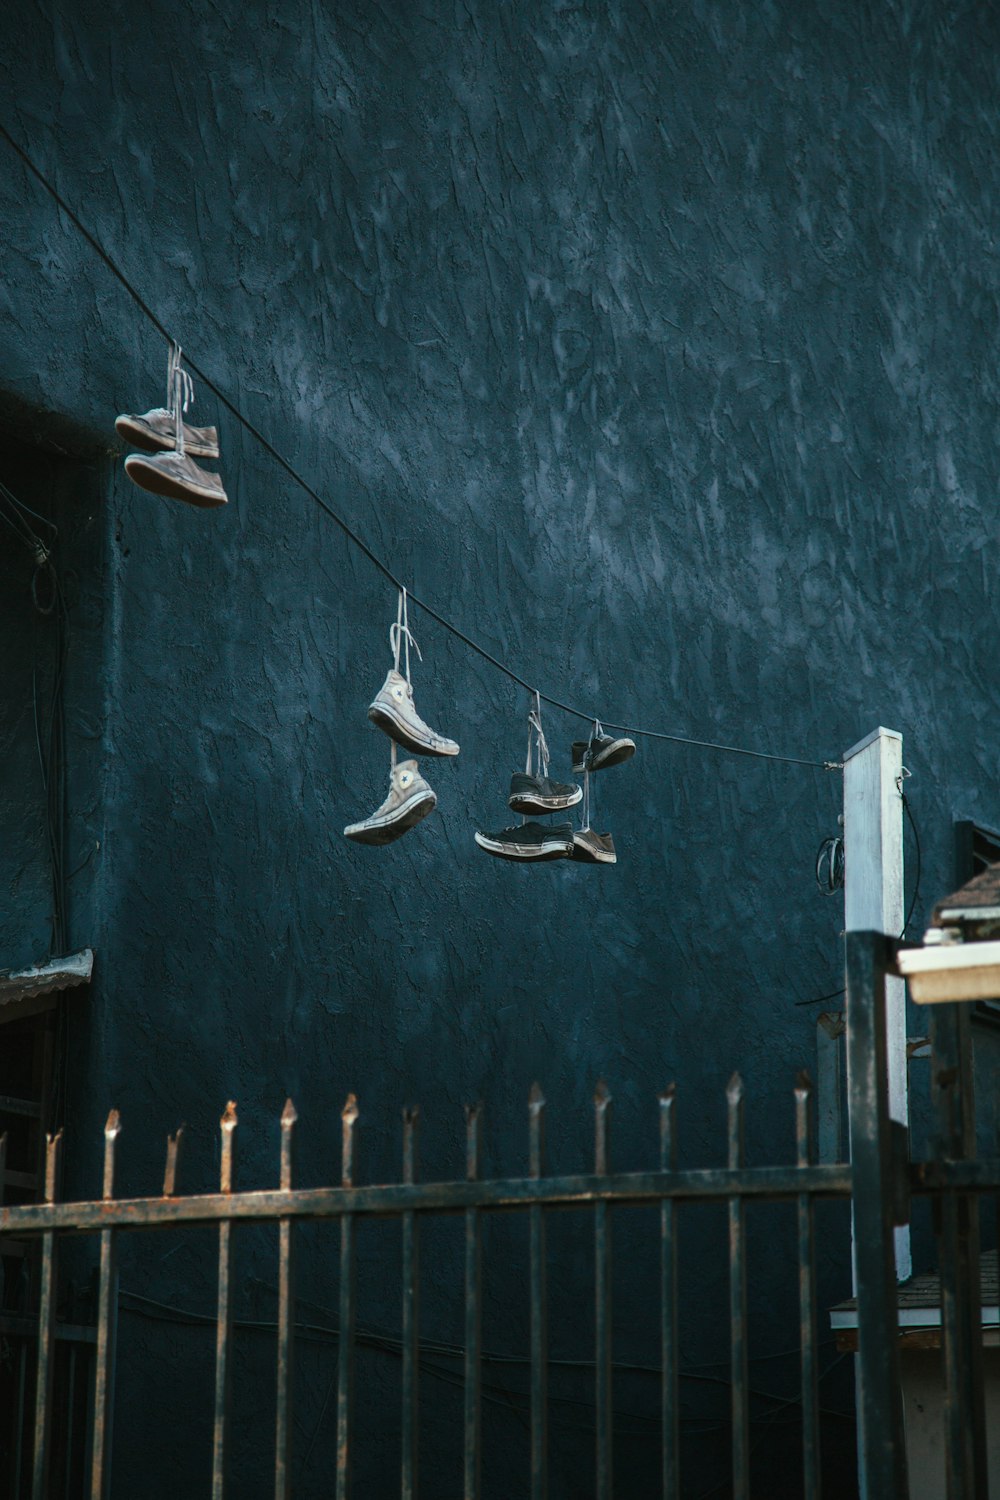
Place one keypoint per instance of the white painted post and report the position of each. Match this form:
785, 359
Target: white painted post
873, 894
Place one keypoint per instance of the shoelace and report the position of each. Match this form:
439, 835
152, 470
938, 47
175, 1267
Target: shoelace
180, 394
401, 634
537, 741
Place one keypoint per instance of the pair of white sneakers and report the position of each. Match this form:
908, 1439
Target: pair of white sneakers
410, 798
166, 466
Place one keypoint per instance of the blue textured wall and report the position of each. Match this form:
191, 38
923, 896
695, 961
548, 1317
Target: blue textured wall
657, 347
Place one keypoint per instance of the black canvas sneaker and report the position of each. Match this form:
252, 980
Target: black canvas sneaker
176, 476
538, 794
530, 843
409, 800
601, 752
594, 848
156, 432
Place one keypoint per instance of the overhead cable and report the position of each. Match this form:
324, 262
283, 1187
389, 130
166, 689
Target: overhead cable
348, 530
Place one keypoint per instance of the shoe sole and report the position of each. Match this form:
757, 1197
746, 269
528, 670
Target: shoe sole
393, 825
610, 758
157, 483
544, 804
397, 730
589, 856
154, 442
526, 853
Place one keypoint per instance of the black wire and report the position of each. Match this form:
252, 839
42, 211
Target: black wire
352, 535
916, 843
913, 900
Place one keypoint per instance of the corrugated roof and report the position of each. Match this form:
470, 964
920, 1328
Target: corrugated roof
44, 979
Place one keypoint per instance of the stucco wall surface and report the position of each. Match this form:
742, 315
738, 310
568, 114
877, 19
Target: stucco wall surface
656, 347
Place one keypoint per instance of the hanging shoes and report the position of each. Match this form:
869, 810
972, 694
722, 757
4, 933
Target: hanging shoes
530, 843
177, 476
532, 790
154, 432
166, 466
392, 708
410, 799
601, 751
594, 848
589, 847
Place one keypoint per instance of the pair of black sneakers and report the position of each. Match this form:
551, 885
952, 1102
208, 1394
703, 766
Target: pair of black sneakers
534, 793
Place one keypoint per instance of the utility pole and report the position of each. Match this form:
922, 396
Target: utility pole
873, 896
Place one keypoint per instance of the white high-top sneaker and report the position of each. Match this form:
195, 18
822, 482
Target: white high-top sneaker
392, 710
409, 800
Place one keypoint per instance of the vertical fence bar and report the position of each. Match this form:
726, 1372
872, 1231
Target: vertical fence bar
345, 1349
881, 1446
539, 1309
804, 1153
602, 1310
411, 1314
738, 1297
957, 1223
46, 1328
670, 1453
107, 1321
224, 1315
473, 1312
286, 1317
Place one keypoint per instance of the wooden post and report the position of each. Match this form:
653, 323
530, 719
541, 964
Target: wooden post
873, 895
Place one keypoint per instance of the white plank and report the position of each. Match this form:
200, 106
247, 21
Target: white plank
873, 894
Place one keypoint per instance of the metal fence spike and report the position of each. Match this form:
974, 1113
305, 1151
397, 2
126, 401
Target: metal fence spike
111, 1131
536, 1099
803, 1083
229, 1119
602, 1095
348, 1118
173, 1154
734, 1088
289, 1114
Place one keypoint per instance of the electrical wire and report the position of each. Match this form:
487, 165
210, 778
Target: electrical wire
353, 536
833, 994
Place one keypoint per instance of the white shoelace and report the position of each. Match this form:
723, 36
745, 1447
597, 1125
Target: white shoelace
401, 634
180, 394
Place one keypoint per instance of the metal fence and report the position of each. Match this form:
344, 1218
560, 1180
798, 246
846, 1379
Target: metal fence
879, 1181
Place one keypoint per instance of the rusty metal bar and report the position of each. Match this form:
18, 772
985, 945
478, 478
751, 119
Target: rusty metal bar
411, 1315
224, 1316
782, 1183
173, 1158
539, 1308
804, 1152
46, 1324
738, 1297
286, 1318
473, 1313
670, 1404
604, 1487
345, 1348
881, 1445
107, 1326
